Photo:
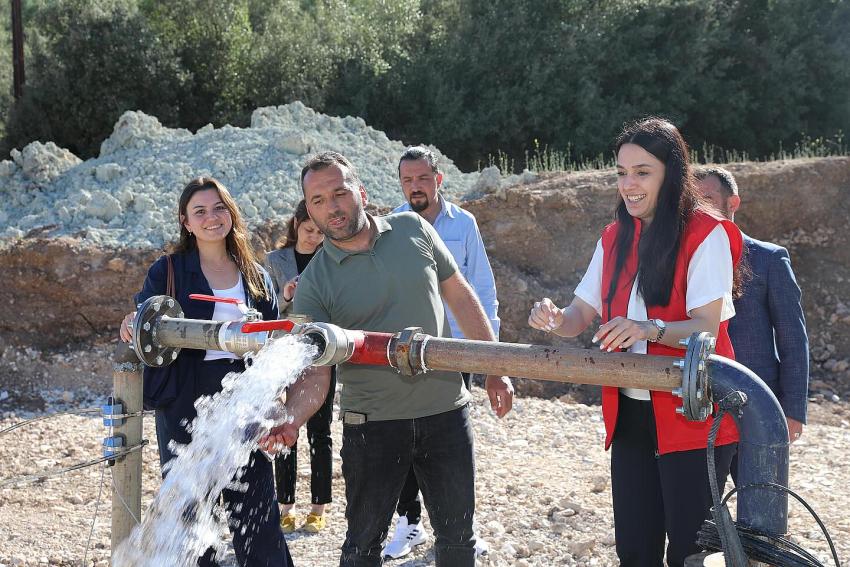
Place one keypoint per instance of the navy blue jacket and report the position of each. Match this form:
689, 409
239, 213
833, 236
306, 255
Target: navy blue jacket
768, 330
188, 279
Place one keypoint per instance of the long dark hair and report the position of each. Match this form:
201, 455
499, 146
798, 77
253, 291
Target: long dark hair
677, 200
237, 241
299, 216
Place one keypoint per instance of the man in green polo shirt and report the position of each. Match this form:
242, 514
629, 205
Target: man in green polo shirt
385, 274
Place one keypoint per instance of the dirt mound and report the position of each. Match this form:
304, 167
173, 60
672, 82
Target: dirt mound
540, 238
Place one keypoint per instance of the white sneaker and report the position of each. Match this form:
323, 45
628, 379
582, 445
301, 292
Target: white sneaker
481, 546
405, 538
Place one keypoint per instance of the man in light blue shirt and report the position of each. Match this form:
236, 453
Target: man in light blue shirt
421, 179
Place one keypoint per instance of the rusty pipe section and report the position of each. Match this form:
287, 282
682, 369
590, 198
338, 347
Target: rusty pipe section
578, 366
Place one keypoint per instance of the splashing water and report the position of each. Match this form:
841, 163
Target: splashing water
181, 524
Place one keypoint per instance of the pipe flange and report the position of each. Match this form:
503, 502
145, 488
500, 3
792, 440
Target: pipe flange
144, 328
409, 359
334, 344
696, 386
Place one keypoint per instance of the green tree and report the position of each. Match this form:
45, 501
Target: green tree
90, 61
213, 40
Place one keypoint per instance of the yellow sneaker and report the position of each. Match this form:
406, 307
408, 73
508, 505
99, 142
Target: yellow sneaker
314, 523
287, 523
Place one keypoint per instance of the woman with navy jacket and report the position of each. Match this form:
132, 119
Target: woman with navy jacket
214, 257
665, 269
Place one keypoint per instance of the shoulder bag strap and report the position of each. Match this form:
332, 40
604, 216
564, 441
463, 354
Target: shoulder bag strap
169, 286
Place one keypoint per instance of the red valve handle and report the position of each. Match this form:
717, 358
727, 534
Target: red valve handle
259, 326
202, 297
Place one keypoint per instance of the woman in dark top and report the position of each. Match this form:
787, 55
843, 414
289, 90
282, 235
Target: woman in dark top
303, 240
214, 257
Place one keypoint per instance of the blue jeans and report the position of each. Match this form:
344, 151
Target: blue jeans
376, 458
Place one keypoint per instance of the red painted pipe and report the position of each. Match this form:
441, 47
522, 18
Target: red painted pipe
370, 348
258, 326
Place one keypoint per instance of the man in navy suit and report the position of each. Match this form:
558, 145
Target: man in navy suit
768, 330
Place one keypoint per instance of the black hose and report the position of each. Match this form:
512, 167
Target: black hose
740, 544
733, 551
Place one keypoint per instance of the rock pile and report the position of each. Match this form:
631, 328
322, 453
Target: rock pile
126, 196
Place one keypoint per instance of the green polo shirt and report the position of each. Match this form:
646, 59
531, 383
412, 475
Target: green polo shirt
395, 284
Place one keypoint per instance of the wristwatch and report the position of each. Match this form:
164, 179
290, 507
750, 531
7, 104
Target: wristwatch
661, 327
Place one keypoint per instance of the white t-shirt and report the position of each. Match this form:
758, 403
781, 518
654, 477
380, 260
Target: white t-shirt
710, 275
226, 312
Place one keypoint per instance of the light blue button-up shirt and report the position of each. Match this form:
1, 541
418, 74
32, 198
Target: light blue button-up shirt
460, 233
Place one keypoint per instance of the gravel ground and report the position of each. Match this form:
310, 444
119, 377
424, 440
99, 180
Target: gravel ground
543, 490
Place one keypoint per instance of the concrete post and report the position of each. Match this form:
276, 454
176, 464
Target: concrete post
127, 471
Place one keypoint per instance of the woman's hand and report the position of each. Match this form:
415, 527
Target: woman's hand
289, 289
620, 332
545, 316
125, 333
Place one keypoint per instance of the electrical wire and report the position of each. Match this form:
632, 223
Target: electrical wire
20, 424
26, 479
121, 499
94, 519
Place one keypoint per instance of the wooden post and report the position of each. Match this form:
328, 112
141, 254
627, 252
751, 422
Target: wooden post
127, 470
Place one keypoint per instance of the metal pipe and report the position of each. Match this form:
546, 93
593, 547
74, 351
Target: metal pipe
762, 449
700, 377
209, 335
558, 364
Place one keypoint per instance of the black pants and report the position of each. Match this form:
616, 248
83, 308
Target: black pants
408, 501
254, 515
376, 458
321, 456
657, 495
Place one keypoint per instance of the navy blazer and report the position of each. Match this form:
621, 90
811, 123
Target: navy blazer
768, 330
188, 279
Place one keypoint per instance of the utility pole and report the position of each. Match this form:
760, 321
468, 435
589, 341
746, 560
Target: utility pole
18, 49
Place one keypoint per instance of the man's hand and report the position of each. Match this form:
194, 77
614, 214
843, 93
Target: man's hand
501, 393
795, 429
284, 435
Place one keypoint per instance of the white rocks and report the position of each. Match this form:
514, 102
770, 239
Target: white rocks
107, 172
103, 206
600, 484
42, 163
581, 548
135, 130
127, 196
489, 180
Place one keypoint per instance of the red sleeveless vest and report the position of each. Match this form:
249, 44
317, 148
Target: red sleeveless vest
674, 432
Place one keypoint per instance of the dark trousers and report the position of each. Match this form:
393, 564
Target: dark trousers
254, 515
409, 504
657, 495
321, 457
376, 460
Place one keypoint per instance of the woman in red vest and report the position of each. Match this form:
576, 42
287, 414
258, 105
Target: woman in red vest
662, 271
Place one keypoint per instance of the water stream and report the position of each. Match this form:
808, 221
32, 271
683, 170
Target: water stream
182, 522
